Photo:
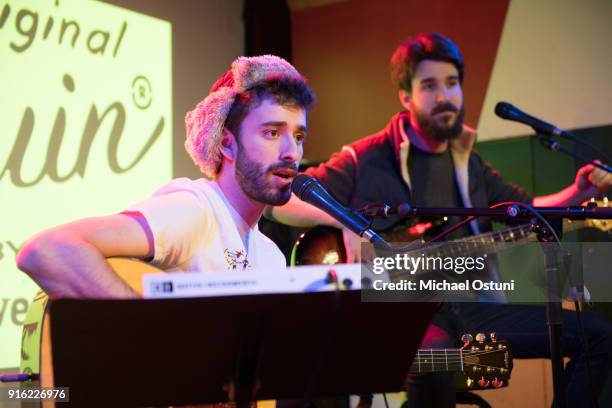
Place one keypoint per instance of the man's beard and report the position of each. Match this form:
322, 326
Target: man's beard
429, 126
254, 180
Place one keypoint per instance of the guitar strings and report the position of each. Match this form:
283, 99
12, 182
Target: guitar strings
495, 239
428, 356
441, 353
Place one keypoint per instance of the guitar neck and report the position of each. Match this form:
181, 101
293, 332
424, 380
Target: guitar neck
486, 243
432, 360
489, 242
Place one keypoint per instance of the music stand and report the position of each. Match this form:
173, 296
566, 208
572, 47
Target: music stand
253, 347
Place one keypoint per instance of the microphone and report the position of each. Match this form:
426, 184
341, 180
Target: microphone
308, 189
508, 111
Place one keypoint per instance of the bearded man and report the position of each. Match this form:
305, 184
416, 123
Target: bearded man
425, 157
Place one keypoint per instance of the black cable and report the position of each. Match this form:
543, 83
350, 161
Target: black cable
585, 349
386, 402
507, 203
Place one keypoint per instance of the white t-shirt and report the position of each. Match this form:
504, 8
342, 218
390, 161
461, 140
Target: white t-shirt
196, 229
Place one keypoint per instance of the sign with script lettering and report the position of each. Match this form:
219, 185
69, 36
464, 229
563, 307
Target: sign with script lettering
85, 119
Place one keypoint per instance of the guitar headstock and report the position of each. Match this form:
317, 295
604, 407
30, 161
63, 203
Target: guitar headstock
487, 363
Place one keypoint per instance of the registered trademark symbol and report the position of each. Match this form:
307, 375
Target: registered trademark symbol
142, 95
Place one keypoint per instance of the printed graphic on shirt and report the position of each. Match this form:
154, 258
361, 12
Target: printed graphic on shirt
235, 258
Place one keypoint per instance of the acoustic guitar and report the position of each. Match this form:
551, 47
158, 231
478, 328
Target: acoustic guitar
36, 347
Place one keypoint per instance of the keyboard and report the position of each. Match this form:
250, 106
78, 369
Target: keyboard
311, 278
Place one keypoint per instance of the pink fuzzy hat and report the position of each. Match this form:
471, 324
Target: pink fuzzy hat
205, 123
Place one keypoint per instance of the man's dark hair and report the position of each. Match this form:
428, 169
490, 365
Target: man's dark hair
425, 46
285, 91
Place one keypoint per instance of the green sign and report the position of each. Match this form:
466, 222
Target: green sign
86, 114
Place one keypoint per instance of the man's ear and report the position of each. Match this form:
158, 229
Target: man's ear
229, 145
405, 98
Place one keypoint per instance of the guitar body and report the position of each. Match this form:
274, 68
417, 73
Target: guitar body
36, 348
323, 245
319, 245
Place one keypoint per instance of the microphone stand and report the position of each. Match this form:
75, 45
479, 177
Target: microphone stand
551, 144
553, 310
547, 217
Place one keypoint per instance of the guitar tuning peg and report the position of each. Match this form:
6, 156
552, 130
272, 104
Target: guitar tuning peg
493, 337
496, 383
483, 383
481, 337
469, 382
467, 338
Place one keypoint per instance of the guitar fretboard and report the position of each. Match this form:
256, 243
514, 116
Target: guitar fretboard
481, 244
428, 361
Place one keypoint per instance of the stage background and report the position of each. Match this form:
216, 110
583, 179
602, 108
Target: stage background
137, 61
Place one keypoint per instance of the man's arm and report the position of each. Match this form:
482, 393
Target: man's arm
70, 260
298, 213
590, 182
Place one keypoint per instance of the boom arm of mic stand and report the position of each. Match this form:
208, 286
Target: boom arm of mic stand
551, 144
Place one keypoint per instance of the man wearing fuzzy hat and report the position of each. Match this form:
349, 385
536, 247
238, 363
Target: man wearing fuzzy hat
246, 137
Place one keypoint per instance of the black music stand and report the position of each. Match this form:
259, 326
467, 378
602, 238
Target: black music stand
253, 347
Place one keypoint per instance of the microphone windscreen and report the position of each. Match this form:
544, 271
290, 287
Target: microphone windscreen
504, 110
300, 183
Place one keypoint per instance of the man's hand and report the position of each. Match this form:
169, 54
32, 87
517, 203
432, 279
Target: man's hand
593, 181
352, 245
590, 181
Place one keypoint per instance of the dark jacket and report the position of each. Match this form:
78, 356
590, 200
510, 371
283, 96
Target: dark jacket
374, 170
